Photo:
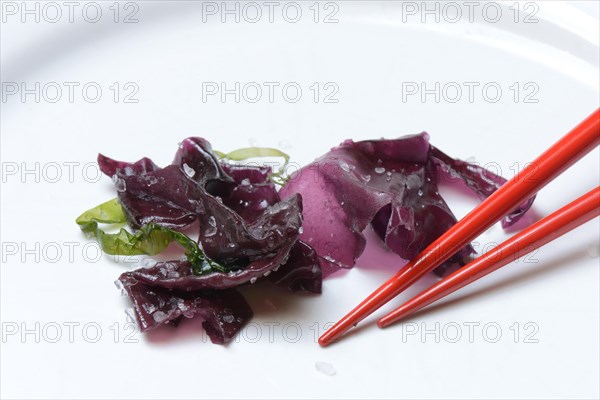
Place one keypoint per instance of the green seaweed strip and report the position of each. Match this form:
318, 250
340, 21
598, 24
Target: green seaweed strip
150, 239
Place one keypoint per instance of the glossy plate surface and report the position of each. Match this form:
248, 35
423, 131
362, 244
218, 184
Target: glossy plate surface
488, 87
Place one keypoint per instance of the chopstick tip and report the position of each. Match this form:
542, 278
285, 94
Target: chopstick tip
394, 316
330, 336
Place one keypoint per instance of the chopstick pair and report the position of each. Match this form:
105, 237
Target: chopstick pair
560, 156
537, 235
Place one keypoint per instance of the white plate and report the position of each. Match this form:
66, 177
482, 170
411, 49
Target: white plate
545, 310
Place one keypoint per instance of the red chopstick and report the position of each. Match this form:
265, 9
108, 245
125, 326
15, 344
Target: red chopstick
560, 156
537, 235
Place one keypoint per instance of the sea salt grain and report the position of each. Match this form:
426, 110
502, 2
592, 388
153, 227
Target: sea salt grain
325, 368
189, 171
212, 229
148, 263
159, 316
344, 165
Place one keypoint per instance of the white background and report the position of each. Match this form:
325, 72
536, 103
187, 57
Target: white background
371, 53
